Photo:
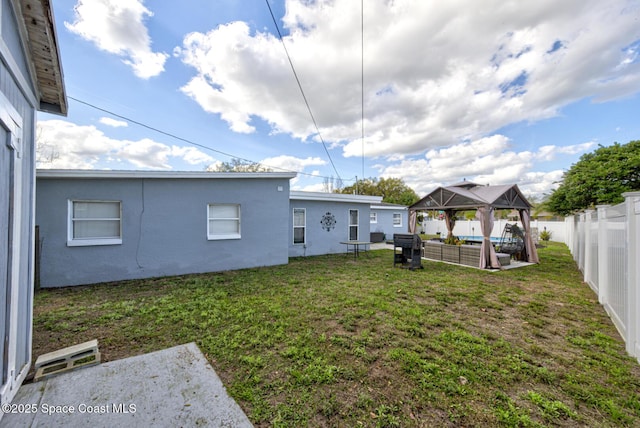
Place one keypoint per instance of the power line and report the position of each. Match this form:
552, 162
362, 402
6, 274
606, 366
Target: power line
193, 143
304, 97
362, 78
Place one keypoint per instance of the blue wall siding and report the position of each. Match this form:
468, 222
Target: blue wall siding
11, 37
385, 222
164, 228
319, 240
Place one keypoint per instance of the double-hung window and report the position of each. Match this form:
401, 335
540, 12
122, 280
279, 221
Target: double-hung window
299, 225
94, 223
353, 225
223, 221
397, 220
373, 217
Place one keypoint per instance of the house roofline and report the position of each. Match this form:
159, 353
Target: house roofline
334, 197
393, 207
97, 174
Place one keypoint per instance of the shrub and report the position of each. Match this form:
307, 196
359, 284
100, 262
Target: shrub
545, 235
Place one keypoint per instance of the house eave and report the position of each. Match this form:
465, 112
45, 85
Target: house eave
334, 197
119, 174
42, 44
389, 207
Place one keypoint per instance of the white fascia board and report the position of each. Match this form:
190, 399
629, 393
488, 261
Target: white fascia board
389, 207
334, 197
93, 174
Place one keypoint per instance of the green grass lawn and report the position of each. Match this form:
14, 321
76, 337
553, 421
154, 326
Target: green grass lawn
329, 341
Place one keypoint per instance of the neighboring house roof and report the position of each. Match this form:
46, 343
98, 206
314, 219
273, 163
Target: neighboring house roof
334, 197
388, 206
42, 44
468, 195
94, 174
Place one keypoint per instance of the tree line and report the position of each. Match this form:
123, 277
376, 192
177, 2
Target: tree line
599, 177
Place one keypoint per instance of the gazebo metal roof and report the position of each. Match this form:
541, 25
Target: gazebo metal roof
467, 196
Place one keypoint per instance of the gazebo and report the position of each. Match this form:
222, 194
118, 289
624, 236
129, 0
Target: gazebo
465, 196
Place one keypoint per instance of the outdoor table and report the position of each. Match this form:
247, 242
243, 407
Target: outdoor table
356, 246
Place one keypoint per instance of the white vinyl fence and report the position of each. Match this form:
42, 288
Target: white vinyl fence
605, 243
472, 228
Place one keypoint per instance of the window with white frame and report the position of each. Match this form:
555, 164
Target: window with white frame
223, 221
299, 225
94, 223
353, 225
397, 220
373, 217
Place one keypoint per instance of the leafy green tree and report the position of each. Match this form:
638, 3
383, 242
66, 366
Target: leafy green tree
392, 190
368, 186
238, 165
600, 177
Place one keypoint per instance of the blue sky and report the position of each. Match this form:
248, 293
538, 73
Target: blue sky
511, 92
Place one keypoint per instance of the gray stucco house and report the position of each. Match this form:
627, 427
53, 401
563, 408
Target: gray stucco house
101, 226
30, 79
321, 221
388, 219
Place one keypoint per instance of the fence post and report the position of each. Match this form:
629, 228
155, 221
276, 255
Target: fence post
603, 265
586, 266
632, 200
568, 232
581, 240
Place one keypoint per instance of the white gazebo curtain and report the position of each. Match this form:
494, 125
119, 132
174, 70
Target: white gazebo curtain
450, 220
529, 245
413, 219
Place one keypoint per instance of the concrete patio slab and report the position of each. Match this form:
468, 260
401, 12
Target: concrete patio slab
169, 388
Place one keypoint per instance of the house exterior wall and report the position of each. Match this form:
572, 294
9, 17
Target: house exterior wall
321, 238
384, 220
17, 122
164, 227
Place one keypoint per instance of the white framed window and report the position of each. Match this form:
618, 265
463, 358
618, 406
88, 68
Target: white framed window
397, 220
223, 221
94, 223
299, 225
353, 225
373, 217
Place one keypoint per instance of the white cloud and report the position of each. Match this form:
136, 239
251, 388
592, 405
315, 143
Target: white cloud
146, 153
540, 183
191, 155
117, 27
430, 80
86, 147
467, 153
316, 187
77, 147
113, 122
483, 161
549, 152
291, 163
